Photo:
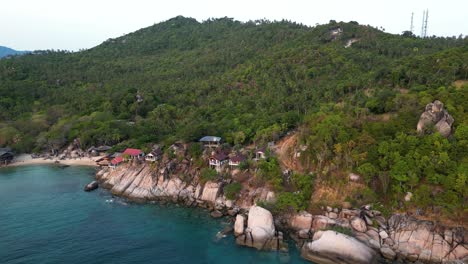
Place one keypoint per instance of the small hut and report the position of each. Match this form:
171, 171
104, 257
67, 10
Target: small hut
260, 154
236, 160
218, 160
154, 155
210, 141
6, 155
116, 162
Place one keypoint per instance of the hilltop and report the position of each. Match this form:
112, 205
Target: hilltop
5, 51
352, 94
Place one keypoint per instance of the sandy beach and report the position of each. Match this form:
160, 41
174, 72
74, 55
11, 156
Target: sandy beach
26, 159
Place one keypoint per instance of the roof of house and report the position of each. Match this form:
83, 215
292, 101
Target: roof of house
102, 148
117, 160
132, 152
220, 156
210, 139
262, 150
238, 158
6, 152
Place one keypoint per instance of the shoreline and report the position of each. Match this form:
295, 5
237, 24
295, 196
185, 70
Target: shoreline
26, 159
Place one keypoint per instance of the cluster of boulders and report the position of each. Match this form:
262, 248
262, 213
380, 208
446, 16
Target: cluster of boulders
259, 232
368, 233
435, 115
72, 152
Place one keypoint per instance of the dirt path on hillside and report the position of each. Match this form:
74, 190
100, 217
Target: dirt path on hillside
284, 150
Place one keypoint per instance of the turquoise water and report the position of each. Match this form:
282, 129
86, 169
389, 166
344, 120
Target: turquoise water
46, 217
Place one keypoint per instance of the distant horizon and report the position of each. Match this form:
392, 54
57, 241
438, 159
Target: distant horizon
51, 25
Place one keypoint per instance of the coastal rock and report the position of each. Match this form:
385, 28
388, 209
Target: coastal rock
210, 192
358, 224
333, 247
239, 225
320, 222
260, 222
260, 232
216, 214
91, 186
388, 253
303, 220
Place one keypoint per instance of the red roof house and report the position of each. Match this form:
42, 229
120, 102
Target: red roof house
116, 161
133, 153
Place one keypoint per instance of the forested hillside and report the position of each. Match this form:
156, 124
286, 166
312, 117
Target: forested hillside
354, 93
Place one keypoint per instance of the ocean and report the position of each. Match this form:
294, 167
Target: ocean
46, 217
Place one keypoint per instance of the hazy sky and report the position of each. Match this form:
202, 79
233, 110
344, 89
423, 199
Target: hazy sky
76, 24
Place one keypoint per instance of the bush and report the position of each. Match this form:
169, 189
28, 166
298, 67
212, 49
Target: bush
231, 191
208, 174
195, 150
291, 201
341, 230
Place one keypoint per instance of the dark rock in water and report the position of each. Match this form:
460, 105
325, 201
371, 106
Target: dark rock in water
91, 186
227, 229
216, 214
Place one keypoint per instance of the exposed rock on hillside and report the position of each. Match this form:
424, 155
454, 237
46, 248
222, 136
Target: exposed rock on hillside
435, 115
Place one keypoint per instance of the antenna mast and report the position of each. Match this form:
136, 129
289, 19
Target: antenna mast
412, 25
425, 23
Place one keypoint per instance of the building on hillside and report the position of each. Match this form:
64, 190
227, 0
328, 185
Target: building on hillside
260, 154
115, 162
97, 151
236, 160
154, 155
105, 161
218, 160
6, 155
210, 141
133, 154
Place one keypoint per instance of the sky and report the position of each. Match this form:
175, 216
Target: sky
82, 24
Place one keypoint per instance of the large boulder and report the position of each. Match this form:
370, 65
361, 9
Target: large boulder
435, 115
260, 232
302, 220
358, 224
330, 247
210, 192
239, 225
260, 223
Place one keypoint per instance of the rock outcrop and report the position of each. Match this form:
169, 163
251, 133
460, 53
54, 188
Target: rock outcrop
424, 241
435, 115
260, 232
330, 247
402, 237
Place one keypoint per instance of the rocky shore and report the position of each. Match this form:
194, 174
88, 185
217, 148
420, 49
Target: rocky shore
401, 237
337, 235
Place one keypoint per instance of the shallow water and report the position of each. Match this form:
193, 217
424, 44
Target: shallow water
46, 217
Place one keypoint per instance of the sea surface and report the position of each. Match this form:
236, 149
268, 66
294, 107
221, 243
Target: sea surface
46, 217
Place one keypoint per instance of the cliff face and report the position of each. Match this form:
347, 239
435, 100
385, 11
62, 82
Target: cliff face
149, 182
